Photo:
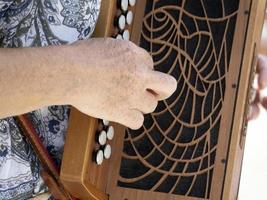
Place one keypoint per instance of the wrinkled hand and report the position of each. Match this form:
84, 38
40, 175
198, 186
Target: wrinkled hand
261, 84
117, 81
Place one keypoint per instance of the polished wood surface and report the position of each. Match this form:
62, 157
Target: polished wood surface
236, 146
79, 174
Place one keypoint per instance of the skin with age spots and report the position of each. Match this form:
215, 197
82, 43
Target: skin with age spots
104, 78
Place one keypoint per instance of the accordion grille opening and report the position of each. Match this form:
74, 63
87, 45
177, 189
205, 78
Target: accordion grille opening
175, 150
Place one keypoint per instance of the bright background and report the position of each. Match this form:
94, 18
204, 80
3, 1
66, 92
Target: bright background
254, 173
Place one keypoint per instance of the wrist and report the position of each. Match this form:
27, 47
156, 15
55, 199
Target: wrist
74, 73
54, 74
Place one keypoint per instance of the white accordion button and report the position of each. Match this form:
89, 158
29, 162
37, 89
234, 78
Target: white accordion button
119, 37
110, 133
126, 35
129, 17
132, 2
124, 5
122, 22
102, 138
105, 122
107, 151
99, 157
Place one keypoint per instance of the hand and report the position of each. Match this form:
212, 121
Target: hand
115, 80
261, 79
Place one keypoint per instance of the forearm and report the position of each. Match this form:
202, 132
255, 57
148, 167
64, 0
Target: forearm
104, 78
32, 78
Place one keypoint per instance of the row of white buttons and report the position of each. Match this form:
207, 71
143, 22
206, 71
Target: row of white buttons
124, 36
103, 135
105, 149
123, 20
103, 154
125, 4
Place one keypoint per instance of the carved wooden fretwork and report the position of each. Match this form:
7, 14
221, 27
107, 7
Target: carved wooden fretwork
192, 146
175, 150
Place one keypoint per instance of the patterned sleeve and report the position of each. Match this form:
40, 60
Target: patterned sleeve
4, 4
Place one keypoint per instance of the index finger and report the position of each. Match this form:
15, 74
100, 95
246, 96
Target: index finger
161, 84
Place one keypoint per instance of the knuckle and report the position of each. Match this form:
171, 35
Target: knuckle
151, 62
127, 45
146, 57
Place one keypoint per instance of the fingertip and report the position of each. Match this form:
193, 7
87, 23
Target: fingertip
262, 80
254, 112
162, 84
135, 127
138, 123
264, 102
173, 83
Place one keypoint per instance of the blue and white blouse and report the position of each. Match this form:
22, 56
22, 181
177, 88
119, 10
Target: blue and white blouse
30, 23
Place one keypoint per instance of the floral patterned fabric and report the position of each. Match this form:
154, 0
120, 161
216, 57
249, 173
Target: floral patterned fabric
29, 23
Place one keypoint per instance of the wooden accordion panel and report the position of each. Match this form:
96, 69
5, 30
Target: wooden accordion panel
175, 150
192, 146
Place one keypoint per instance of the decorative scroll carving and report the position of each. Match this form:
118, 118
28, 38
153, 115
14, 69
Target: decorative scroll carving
175, 150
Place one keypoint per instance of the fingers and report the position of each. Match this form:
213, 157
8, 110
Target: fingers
161, 85
253, 112
147, 103
262, 71
133, 119
143, 56
262, 84
264, 103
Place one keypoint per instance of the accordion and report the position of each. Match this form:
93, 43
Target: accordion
192, 146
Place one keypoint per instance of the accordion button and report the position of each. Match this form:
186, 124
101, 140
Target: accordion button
110, 133
99, 157
129, 17
105, 122
107, 151
132, 2
126, 35
102, 138
119, 37
122, 22
124, 5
